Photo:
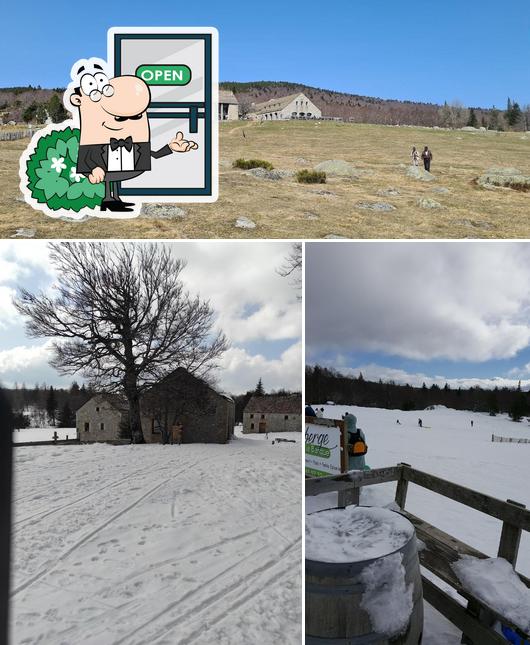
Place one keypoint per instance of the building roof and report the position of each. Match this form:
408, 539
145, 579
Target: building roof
277, 104
275, 403
116, 400
227, 96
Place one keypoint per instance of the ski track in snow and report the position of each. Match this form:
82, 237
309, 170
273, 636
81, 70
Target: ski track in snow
191, 544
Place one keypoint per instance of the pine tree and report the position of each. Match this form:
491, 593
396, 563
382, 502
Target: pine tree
259, 391
494, 119
51, 404
472, 120
66, 418
56, 109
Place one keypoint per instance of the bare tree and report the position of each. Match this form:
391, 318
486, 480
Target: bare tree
122, 318
292, 266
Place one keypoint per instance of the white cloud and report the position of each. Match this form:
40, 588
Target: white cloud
374, 372
461, 301
241, 370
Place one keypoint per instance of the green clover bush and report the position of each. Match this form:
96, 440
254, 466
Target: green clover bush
51, 173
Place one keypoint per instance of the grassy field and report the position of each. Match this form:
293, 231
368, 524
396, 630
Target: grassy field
286, 209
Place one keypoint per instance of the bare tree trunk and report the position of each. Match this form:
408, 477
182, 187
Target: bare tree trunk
135, 418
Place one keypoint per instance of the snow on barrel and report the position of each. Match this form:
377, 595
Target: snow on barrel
363, 582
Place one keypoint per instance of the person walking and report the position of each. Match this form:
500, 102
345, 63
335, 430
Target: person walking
426, 155
415, 156
420, 423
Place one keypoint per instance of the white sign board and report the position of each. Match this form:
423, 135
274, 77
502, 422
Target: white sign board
323, 455
180, 65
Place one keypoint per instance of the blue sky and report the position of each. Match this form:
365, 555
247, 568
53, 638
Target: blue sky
256, 308
414, 311
477, 53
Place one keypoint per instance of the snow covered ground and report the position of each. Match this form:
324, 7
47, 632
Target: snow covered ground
448, 447
197, 543
42, 434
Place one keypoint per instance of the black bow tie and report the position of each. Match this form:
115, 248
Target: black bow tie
121, 143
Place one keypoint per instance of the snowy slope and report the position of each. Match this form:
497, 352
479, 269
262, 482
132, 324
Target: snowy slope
42, 434
449, 447
196, 543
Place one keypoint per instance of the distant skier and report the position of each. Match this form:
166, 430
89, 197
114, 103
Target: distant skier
471, 422
420, 423
398, 422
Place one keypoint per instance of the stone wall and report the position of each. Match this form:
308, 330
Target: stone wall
273, 422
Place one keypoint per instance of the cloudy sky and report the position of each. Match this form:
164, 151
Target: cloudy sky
456, 312
256, 308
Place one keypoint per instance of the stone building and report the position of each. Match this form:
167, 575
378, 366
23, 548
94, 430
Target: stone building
100, 417
273, 413
294, 106
228, 106
205, 414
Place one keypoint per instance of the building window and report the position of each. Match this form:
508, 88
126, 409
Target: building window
262, 416
102, 426
97, 409
286, 417
251, 416
252, 426
87, 426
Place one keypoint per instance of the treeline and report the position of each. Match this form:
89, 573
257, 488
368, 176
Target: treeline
324, 384
366, 109
43, 406
31, 105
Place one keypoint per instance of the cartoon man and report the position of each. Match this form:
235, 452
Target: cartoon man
115, 137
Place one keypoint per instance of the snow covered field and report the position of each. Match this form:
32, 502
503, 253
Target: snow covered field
197, 543
42, 434
450, 448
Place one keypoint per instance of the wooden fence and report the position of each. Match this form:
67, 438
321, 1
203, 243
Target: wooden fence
499, 439
13, 135
441, 550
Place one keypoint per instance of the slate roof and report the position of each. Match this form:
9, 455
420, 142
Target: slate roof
227, 96
275, 403
278, 104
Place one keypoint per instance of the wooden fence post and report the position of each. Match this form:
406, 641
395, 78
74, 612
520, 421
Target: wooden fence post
348, 497
510, 539
402, 488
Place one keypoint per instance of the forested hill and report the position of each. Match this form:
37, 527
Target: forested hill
366, 109
35, 104
323, 384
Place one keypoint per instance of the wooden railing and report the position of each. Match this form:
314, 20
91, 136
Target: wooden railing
441, 549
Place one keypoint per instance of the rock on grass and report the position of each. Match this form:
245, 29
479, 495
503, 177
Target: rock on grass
388, 192
415, 172
162, 211
271, 175
341, 168
504, 177
245, 222
427, 202
375, 206
25, 232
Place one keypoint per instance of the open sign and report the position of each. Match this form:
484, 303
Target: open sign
164, 74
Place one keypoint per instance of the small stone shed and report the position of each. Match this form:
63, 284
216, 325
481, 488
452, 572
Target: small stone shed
273, 413
99, 419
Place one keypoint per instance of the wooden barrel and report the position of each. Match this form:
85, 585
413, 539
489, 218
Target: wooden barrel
334, 593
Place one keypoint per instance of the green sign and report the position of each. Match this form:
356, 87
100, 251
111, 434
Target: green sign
317, 451
164, 74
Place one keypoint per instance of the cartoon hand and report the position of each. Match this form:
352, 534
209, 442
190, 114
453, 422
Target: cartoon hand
179, 144
96, 176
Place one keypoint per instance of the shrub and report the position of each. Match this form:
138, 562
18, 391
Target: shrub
248, 164
311, 177
51, 174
